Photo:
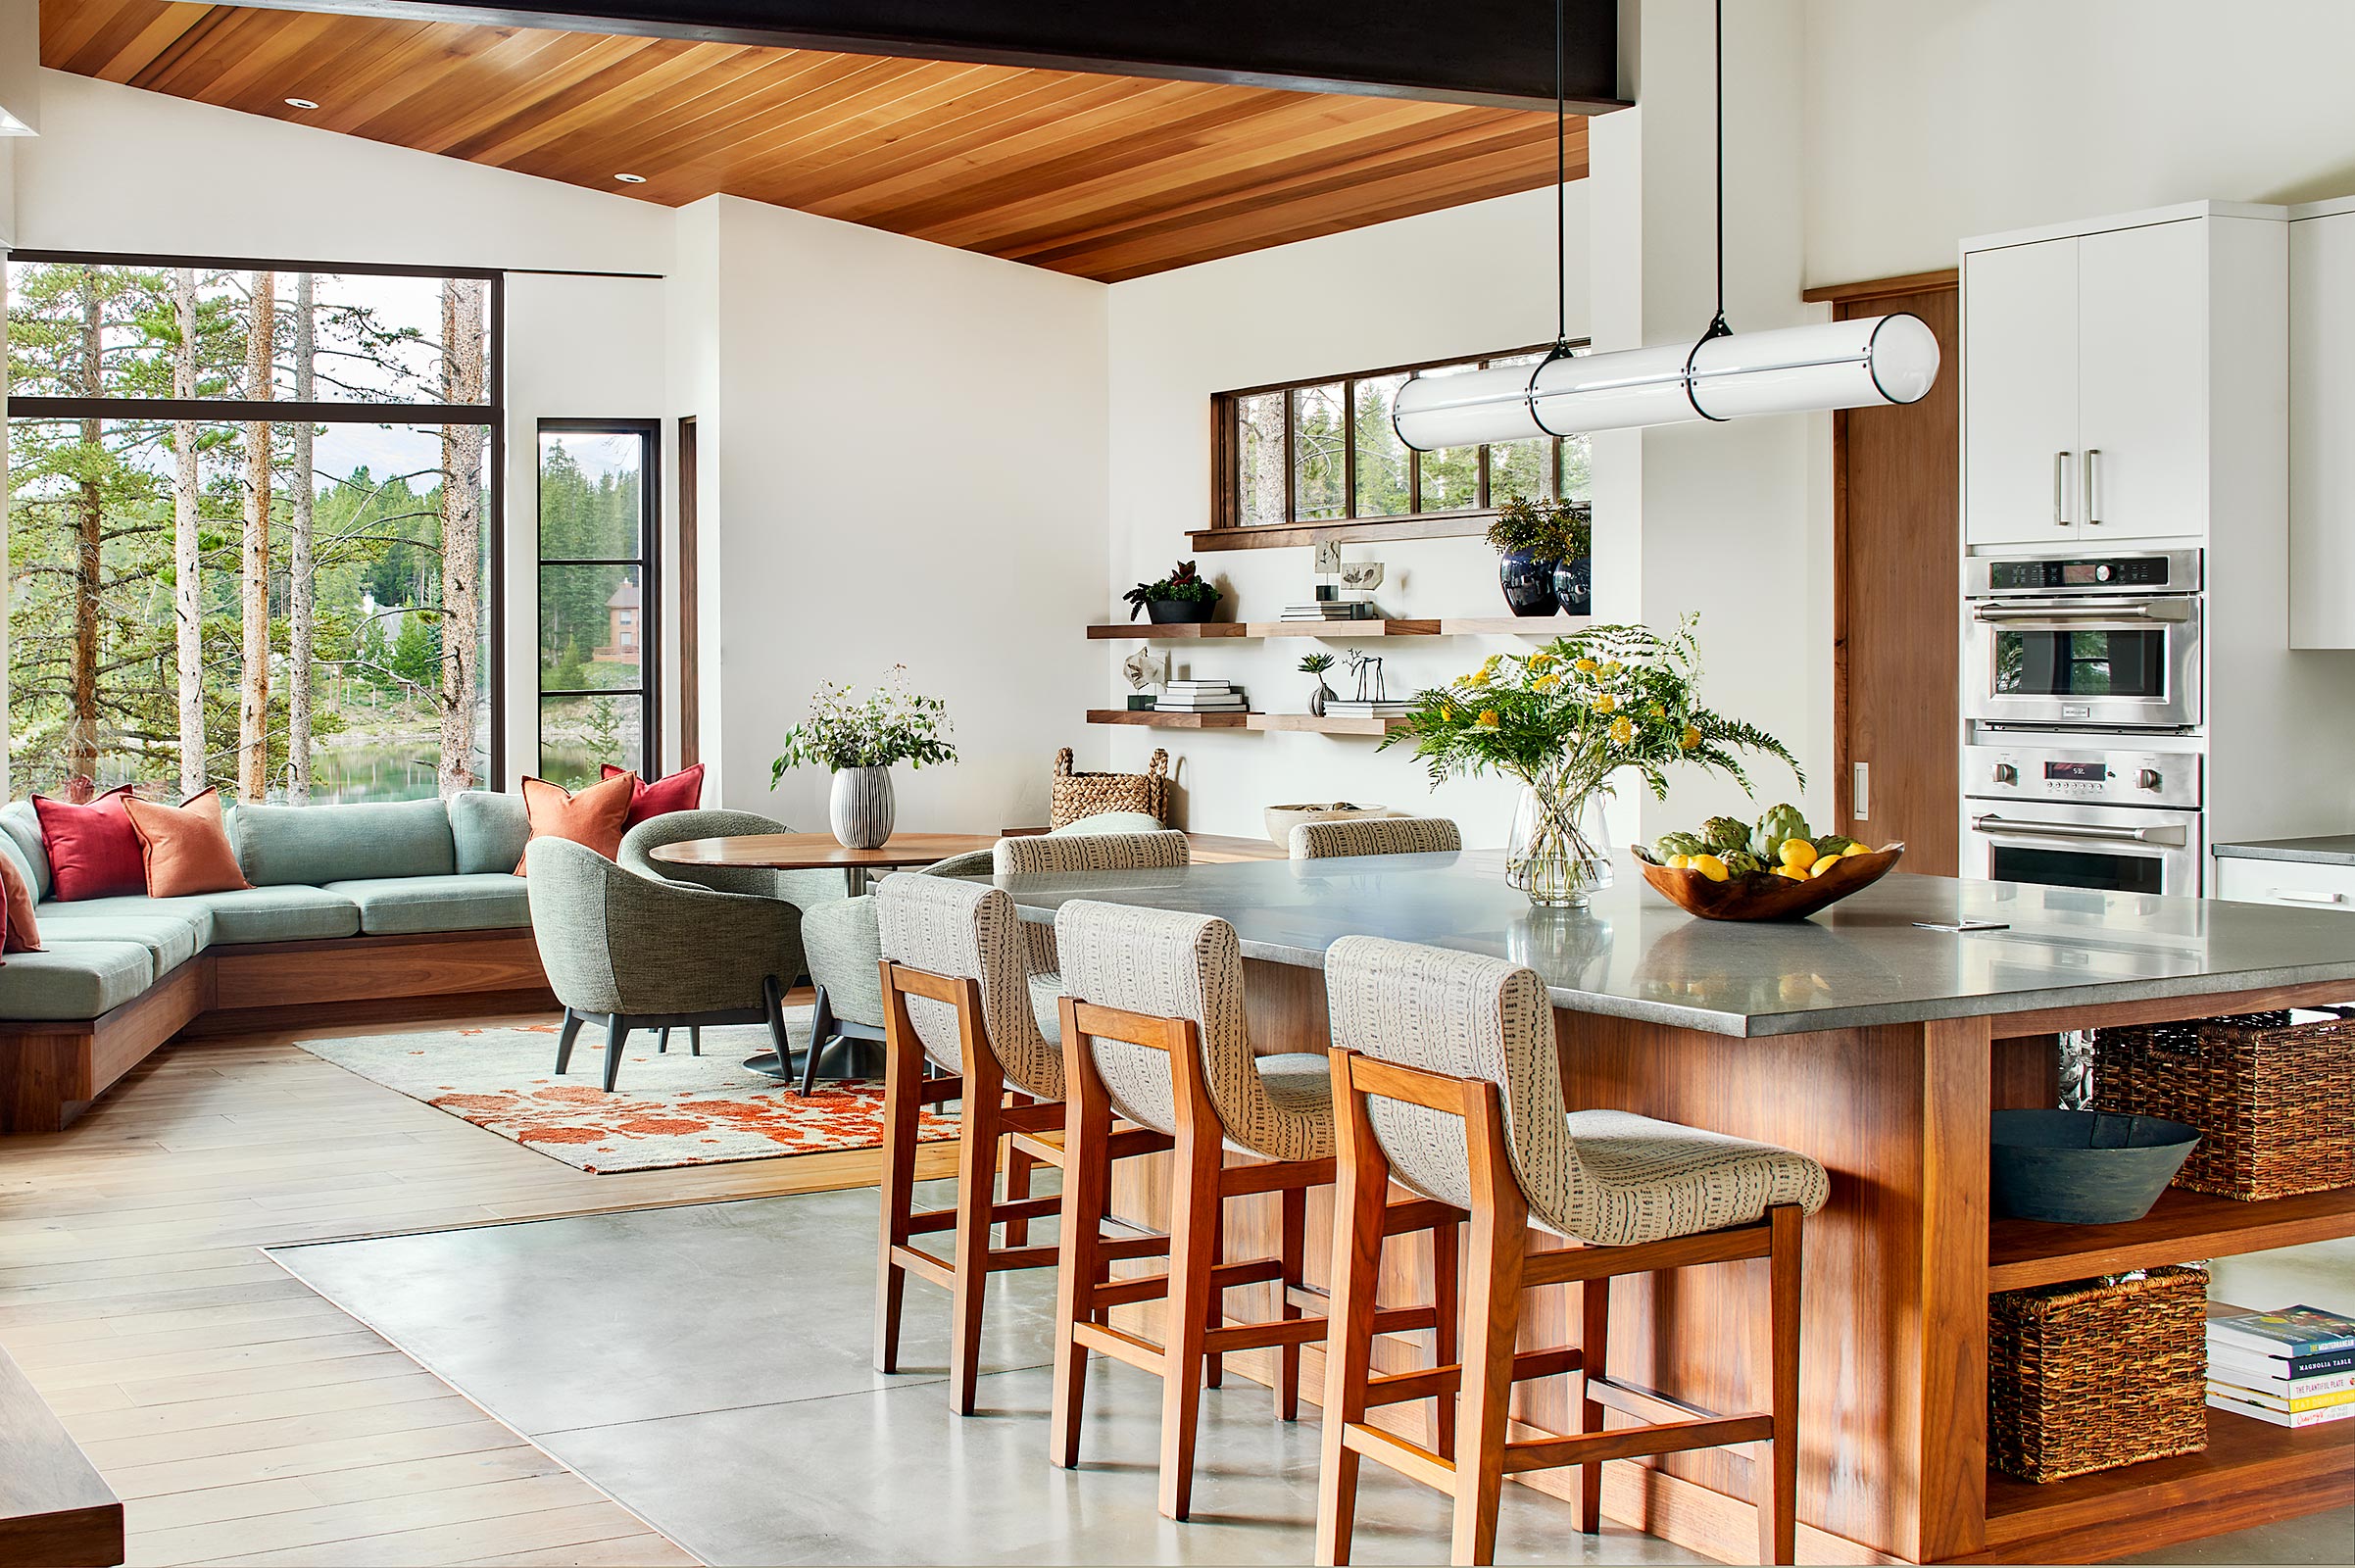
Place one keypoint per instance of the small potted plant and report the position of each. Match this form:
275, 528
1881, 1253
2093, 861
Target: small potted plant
1531, 539
1317, 664
860, 738
1183, 598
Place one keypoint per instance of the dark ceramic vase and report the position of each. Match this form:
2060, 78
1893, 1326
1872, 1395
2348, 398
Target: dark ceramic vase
1528, 582
1179, 612
1574, 586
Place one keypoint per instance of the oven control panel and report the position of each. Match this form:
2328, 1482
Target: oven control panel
2094, 777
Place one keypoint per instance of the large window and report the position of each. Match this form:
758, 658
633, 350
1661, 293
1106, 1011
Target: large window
252, 527
600, 635
1323, 454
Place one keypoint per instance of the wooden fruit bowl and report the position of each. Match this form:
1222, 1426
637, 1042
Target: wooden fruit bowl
1763, 896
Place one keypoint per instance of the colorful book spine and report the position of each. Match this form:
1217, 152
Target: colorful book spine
2281, 1418
2280, 1402
2274, 1376
2296, 1331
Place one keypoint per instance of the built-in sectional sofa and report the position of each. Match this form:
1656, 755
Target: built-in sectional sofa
355, 911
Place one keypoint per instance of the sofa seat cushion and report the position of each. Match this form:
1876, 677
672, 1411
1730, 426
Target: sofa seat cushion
487, 901
70, 980
312, 845
277, 915
171, 930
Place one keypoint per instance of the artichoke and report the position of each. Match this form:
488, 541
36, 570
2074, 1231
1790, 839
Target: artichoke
1726, 833
1670, 844
1833, 844
1779, 823
1742, 862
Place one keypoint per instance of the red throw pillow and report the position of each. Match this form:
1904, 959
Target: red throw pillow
682, 790
593, 818
187, 846
94, 850
19, 932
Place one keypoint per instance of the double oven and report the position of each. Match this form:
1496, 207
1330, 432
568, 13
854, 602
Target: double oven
2082, 691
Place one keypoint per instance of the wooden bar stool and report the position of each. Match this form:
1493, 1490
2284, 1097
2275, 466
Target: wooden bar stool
1447, 1077
1153, 1030
956, 990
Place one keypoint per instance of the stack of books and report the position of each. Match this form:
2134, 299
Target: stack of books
2294, 1368
1366, 708
1200, 697
1329, 610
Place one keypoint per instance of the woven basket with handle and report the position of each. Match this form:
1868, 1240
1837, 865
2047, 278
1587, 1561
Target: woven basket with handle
1078, 795
2274, 1102
2097, 1373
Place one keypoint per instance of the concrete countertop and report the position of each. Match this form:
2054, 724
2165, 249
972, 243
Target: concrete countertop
1863, 961
2331, 849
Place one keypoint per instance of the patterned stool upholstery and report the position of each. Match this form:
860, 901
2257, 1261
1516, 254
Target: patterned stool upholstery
1606, 1177
966, 930
1375, 835
1168, 964
1065, 851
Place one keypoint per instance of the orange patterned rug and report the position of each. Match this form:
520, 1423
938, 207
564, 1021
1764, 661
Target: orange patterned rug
667, 1108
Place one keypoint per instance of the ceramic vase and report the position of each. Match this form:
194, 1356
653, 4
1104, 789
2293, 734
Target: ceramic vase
861, 808
1528, 582
1574, 586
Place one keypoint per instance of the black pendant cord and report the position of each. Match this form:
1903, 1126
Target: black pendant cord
1717, 323
1561, 198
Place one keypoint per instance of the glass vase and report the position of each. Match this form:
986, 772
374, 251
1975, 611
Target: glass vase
1559, 850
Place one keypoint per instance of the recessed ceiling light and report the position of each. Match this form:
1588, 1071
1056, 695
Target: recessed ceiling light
300, 102
632, 180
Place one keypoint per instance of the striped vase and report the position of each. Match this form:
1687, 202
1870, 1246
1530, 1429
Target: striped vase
861, 806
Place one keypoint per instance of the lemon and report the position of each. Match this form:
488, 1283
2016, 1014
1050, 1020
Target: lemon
1678, 863
1710, 866
1791, 873
1825, 865
1799, 854
1853, 850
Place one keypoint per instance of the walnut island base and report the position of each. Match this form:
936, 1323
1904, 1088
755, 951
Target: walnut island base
1883, 1059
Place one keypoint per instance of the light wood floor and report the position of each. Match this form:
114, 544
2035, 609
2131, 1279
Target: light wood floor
243, 1419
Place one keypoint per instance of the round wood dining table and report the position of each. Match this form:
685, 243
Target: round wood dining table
820, 851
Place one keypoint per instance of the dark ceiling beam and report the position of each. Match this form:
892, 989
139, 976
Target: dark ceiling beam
1492, 52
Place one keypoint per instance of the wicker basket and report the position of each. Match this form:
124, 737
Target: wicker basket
2097, 1373
2274, 1102
1078, 795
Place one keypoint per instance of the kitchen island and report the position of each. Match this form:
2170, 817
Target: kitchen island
1880, 1047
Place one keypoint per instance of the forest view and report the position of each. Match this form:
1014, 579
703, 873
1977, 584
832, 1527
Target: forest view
291, 607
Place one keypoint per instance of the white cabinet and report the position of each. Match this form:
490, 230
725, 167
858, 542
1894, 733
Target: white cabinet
2086, 408
2306, 884
2321, 429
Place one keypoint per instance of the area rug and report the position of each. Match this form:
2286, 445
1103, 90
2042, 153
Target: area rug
667, 1109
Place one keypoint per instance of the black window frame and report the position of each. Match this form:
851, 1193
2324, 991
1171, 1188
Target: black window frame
649, 564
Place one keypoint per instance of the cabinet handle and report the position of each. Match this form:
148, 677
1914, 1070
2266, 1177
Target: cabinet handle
2305, 896
2091, 519
2060, 489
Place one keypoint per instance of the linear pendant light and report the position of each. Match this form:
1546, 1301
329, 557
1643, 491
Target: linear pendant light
1872, 360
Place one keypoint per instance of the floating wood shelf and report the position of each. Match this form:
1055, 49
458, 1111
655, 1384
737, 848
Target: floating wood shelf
1343, 630
2181, 1225
2249, 1467
1513, 625
1258, 721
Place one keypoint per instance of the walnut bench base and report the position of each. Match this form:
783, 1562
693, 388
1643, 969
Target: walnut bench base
51, 1072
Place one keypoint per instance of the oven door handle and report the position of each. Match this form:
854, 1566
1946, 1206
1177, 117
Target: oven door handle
2085, 617
2093, 832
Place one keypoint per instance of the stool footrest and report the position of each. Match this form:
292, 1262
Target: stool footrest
1119, 1344
926, 1220
1407, 1458
1395, 1387
1027, 1208
1038, 1147
1261, 1336
1645, 1404
1630, 1443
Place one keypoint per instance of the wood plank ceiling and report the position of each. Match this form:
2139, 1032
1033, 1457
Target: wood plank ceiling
1107, 178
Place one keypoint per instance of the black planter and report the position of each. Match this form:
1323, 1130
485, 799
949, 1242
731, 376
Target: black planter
1179, 612
1528, 583
1574, 586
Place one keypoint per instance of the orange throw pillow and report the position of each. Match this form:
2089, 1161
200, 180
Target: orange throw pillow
186, 846
594, 817
19, 931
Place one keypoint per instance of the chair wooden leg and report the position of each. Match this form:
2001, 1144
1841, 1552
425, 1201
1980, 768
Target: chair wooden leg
1187, 1312
976, 1193
1214, 1364
1292, 1253
903, 1074
617, 1034
1087, 1197
1489, 1331
1593, 1341
1775, 1465
563, 1042
1360, 1190
1019, 1165
1446, 1285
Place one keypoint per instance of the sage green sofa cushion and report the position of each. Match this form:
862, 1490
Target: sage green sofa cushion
489, 829
486, 900
172, 930
22, 826
281, 846
73, 979
276, 914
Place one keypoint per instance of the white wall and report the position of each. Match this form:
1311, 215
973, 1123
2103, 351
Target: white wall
908, 455
1930, 120
1466, 280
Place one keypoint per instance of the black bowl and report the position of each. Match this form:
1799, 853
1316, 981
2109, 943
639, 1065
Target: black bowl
2083, 1167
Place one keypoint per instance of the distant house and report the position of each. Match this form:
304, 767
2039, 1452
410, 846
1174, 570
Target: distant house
621, 628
